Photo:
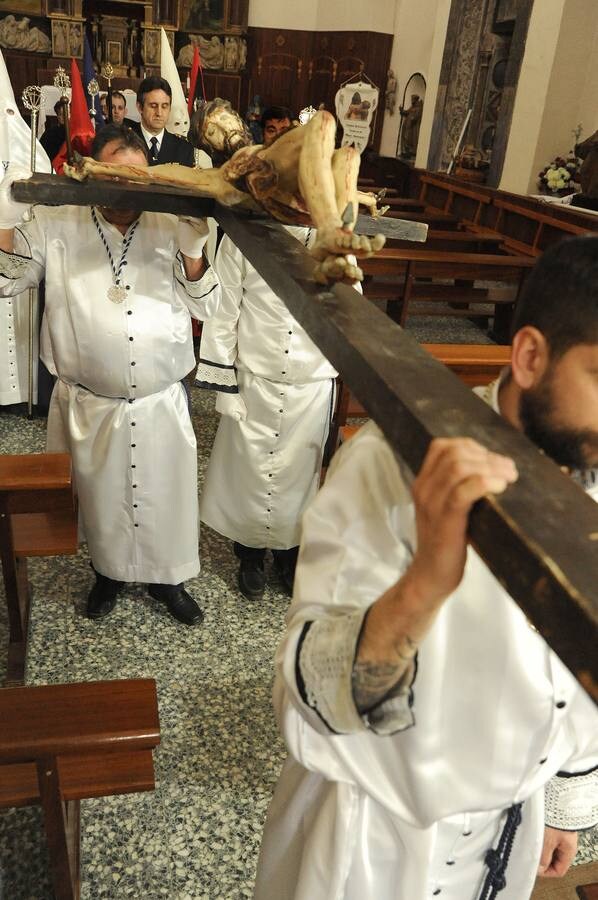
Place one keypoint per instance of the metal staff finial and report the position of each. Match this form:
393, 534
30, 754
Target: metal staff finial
32, 100
62, 82
108, 74
93, 89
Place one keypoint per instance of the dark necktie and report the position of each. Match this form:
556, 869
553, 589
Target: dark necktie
154, 149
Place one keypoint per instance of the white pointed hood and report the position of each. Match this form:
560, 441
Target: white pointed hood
178, 121
15, 134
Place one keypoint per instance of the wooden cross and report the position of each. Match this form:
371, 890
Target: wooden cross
540, 538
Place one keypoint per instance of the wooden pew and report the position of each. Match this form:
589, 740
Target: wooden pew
524, 224
474, 364
409, 264
37, 518
458, 241
434, 218
60, 744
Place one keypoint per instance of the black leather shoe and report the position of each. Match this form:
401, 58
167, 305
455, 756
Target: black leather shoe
102, 597
252, 578
286, 573
181, 605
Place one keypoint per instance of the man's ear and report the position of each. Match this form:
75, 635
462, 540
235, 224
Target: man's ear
529, 357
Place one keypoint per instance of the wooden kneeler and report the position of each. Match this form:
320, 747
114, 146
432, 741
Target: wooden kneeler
63, 743
37, 518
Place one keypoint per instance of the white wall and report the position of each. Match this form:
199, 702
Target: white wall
323, 15
557, 89
419, 38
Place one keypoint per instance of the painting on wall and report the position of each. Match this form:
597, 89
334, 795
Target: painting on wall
114, 53
201, 15
151, 47
28, 7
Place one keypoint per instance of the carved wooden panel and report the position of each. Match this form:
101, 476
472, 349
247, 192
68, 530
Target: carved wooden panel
303, 68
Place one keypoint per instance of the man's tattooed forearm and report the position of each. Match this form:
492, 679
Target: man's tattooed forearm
372, 681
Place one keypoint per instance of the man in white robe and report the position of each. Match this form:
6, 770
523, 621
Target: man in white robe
275, 394
16, 317
432, 733
120, 290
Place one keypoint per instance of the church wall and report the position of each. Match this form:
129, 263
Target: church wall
323, 15
557, 89
433, 80
588, 105
415, 25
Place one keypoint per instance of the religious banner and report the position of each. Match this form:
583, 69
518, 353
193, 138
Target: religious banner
355, 106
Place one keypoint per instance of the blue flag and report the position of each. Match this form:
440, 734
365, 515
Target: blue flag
89, 73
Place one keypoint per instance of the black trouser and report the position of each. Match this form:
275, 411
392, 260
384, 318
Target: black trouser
283, 558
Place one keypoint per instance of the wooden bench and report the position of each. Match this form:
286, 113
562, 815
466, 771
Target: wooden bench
60, 744
457, 241
474, 364
524, 224
408, 264
37, 518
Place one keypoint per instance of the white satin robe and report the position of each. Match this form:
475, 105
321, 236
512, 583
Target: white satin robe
118, 406
264, 471
376, 813
14, 349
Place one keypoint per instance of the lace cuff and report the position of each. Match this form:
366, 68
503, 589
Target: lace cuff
199, 289
216, 377
13, 266
571, 801
325, 663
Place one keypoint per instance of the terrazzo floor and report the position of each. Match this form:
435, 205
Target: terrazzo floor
198, 834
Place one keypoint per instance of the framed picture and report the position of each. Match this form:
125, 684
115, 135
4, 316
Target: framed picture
114, 53
151, 47
60, 37
29, 7
76, 40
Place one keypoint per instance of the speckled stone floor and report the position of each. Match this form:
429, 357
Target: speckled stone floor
197, 835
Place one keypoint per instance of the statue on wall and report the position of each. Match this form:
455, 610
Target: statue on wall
410, 126
20, 35
211, 51
299, 179
391, 92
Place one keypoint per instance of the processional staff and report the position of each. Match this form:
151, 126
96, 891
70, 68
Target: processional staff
93, 89
32, 98
63, 83
108, 74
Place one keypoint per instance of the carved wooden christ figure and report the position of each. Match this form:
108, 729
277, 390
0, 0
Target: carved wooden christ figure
300, 180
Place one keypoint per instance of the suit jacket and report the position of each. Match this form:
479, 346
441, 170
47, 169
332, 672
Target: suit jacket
173, 149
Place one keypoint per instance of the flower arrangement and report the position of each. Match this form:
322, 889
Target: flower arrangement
561, 176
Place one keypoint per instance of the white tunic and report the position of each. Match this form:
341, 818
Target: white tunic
264, 471
118, 406
403, 804
14, 349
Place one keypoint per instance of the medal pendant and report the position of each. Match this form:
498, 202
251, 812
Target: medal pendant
117, 293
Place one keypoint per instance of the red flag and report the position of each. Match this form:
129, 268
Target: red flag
193, 79
81, 129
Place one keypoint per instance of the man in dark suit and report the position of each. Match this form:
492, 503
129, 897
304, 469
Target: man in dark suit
154, 98
119, 109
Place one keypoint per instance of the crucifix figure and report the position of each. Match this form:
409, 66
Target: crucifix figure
299, 179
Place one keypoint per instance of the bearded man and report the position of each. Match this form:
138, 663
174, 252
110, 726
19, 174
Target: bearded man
437, 746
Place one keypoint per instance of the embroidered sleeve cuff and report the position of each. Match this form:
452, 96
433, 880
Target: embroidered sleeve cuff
571, 801
215, 377
325, 665
13, 266
197, 290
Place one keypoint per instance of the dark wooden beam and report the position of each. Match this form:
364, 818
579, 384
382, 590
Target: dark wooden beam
540, 538
52, 190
